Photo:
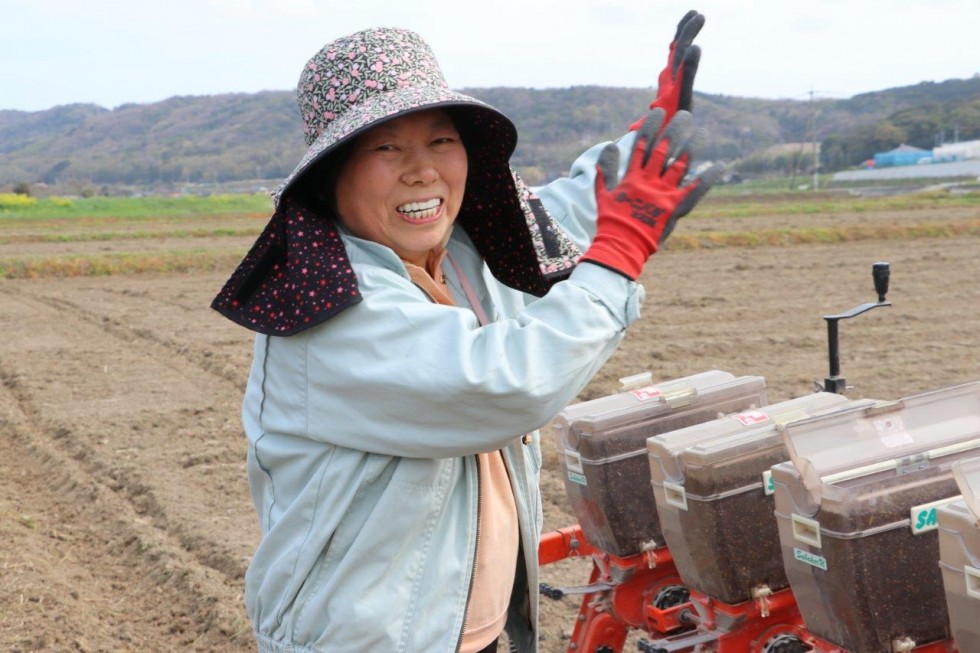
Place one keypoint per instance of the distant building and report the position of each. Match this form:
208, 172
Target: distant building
903, 155
956, 169
950, 161
961, 151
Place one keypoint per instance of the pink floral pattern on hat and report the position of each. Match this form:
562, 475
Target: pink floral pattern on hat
374, 61
349, 86
360, 80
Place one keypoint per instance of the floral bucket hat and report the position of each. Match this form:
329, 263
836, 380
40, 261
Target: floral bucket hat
297, 273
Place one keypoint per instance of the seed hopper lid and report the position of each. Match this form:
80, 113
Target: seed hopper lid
967, 475
641, 389
607, 426
898, 437
736, 435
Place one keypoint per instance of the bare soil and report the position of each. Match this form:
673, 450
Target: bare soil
125, 518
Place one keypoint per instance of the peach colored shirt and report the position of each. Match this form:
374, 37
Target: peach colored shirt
498, 536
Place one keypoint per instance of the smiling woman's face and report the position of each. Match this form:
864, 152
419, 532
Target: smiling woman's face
402, 183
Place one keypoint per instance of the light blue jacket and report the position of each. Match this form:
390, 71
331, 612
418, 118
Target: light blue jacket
363, 432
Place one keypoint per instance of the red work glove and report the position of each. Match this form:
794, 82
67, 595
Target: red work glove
675, 85
638, 213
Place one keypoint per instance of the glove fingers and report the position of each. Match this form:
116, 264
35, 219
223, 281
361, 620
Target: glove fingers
690, 29
607, 167
684, 39
646, 138
691, 199
690, 63
686, 151
676, 169
711, 176
669, 227
683, 23
676, 134
697, 189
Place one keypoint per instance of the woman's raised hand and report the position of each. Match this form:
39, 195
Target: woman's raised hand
636, 214
675, 85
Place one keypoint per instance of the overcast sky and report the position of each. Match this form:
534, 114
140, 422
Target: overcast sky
111, 52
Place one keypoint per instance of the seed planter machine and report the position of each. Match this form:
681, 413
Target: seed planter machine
717, 522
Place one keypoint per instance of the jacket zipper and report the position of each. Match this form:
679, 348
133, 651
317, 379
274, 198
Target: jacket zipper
479, 510
476, 548
426, 293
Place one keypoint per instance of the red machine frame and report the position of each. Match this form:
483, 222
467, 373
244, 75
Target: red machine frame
620, 596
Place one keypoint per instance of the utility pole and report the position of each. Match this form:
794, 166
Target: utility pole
816, 156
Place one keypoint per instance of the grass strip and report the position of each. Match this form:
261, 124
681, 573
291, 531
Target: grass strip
736, 207
132, 207
95, 221
821, 235
129, 235
209, 260
99, 265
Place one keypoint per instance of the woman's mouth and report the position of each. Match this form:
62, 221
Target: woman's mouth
420, 211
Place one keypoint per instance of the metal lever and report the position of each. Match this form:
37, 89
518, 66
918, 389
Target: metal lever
690, 641
880, 272
555, 593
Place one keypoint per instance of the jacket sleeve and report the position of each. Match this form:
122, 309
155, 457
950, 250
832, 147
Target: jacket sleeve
571, 200
399, 375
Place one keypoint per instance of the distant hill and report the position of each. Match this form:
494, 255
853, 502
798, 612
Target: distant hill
226, 138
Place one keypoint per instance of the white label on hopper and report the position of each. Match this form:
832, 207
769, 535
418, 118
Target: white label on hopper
892, 431
649, 392
811, 559
573, 466
768, 485
924, 519
751, 417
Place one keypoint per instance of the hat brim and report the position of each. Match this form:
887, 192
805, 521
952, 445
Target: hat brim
495, 129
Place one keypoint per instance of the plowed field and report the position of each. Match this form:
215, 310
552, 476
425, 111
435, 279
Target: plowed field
125, 519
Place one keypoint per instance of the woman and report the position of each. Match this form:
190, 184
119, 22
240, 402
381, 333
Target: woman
420, 314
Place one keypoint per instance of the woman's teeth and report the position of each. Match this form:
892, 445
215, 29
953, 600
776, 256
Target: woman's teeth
420, 210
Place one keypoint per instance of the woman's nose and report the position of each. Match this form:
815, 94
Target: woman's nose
420, 170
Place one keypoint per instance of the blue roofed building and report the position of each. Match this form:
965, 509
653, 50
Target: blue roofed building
903, 155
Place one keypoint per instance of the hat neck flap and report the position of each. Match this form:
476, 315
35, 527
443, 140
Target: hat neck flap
522, 244
295, 276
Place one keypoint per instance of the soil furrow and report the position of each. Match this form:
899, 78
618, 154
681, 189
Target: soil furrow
165, 347
94, 536
147, 430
